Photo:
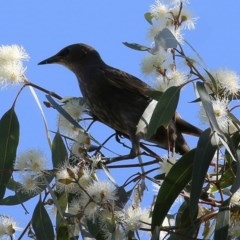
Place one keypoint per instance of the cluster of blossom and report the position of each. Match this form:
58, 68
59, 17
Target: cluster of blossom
175, 17
96, 199
11, 61
222, 84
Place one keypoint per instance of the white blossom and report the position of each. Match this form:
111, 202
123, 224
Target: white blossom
226, 80
172, 78
7, 227
11, 61
151, 63
31, 183
132, 218
32, 160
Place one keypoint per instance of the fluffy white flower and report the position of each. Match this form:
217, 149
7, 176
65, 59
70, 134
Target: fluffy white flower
102, 192
75, 206
12, 53
151, 63
31, 184
81, 144
11, 61
172, 78
159, 10
226, 80
32, 160
7, 227
132, 219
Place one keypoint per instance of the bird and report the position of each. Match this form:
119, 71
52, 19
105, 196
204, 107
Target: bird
119, 99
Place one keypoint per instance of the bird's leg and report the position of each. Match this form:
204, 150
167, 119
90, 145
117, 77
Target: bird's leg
135, 151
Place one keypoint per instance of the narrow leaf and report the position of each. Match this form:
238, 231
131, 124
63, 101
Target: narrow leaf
236, 183
177, 178
207, 105
214, 82
59, 151
204, 154
41, 223
184, 224
62, 231
164, 110
136, 46
61, 227
148, 16
9, 137
222, 222
42, 113
235, 141
164, 40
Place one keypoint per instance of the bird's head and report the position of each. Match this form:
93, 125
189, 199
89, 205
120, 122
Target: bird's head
75, 56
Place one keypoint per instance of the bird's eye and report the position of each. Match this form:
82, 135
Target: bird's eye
64, 52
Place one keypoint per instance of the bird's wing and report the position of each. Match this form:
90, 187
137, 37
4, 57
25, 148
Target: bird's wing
126, 81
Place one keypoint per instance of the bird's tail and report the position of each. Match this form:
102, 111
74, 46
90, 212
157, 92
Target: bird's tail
186, 127
172, 138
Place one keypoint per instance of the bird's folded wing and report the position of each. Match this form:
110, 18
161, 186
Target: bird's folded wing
125, 81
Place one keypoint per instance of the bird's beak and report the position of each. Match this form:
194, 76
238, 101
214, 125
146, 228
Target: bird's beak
53, 59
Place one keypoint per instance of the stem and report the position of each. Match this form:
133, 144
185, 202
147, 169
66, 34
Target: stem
53, 94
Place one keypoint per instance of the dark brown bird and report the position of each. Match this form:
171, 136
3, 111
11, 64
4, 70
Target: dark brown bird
119, 99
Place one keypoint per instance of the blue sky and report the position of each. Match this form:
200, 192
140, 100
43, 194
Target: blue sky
44, 27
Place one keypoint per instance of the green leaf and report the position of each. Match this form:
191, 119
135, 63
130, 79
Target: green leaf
226, 179
63, 231
154, 94
222, 222
9, 137
100, 229
204, 154
177, 178
164, 110
61, 227
235, 139
213, 80
59, 151
136, 46
185, 227
148, 16
41, 223
207, 105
